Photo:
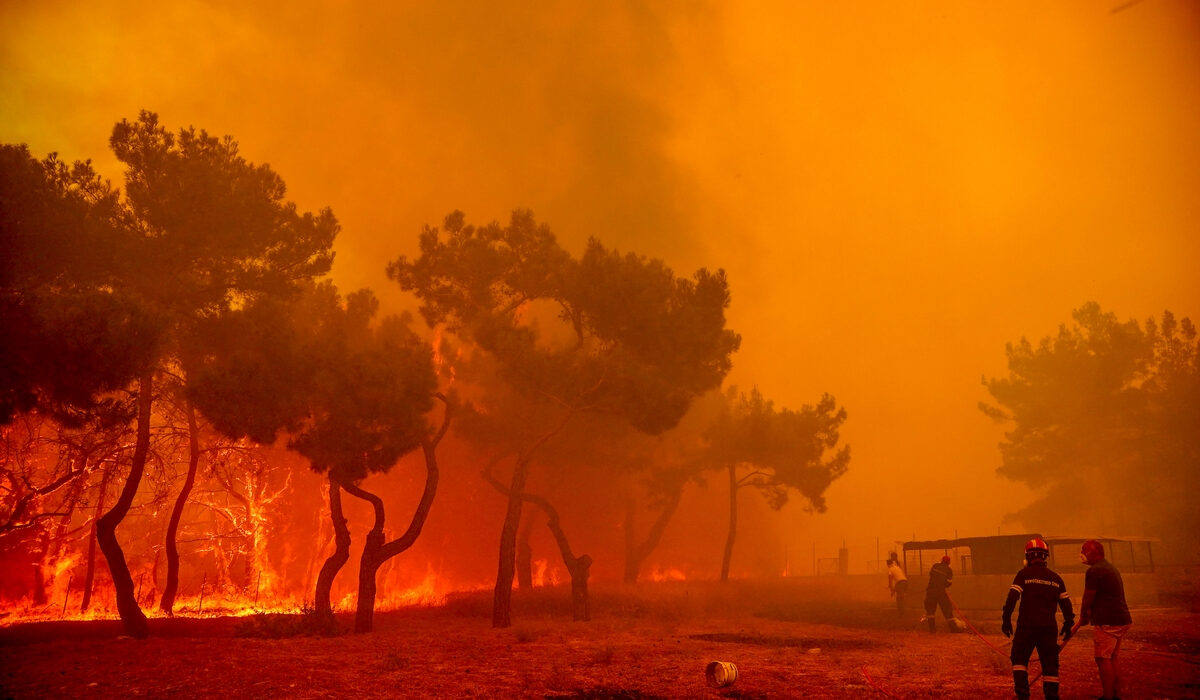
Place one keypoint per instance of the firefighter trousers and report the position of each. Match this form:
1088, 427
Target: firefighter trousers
1025, 640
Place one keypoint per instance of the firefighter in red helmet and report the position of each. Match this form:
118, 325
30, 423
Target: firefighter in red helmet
1040, 590
940, 578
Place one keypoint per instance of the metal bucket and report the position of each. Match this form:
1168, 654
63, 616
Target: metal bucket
721, 673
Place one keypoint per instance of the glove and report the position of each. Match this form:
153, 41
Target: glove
1066, 629
1006, 628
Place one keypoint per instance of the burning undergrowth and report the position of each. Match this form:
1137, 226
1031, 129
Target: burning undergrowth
305, 621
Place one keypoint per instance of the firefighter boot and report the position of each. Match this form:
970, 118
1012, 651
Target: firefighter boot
932, 622
1050, 687
1021, 683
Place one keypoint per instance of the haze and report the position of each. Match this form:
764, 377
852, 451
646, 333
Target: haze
895, 190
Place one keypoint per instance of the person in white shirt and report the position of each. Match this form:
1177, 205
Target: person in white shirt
897, 582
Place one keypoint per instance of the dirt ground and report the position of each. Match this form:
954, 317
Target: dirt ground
653, 642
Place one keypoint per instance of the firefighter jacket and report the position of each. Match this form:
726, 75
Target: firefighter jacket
1039, 590
940, 576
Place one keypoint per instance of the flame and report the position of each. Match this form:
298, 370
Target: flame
64, 564
425, 594
214, 602
443, 367
544, 574
659, 575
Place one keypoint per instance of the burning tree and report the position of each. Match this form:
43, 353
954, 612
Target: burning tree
776, 451
72, 335
46, 475
199, 231
352, 391
634, 340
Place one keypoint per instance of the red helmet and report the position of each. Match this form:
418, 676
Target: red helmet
1091, 552
946, 559
1036, 549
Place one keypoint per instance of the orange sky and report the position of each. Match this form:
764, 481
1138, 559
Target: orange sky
895, 189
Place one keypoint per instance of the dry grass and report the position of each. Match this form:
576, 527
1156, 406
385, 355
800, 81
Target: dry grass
646, 642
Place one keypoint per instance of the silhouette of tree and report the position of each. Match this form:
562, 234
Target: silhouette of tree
634, 341
71, 336
1103, 420
214, 232
776, 451
353, 392
506, 422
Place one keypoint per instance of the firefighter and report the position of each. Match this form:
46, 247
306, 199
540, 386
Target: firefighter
1039, 590
940, 576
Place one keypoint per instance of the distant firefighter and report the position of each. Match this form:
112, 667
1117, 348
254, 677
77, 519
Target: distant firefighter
940, 578
1104, 607
1040, 591
897, 582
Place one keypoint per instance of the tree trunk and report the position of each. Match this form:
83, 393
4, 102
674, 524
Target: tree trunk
502, 599
364, 613
341, 551
90, 575
167, 602
106, 527
369, 563
524, 556
257, 559
39, 580
376, 551
578, 567
636, 554
632, 561
581, 607
733, 506
251, 527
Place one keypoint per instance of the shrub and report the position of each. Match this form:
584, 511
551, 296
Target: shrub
306, 621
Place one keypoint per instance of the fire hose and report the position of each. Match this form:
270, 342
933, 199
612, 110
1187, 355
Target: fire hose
982, 638
1033, 679
876, 686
